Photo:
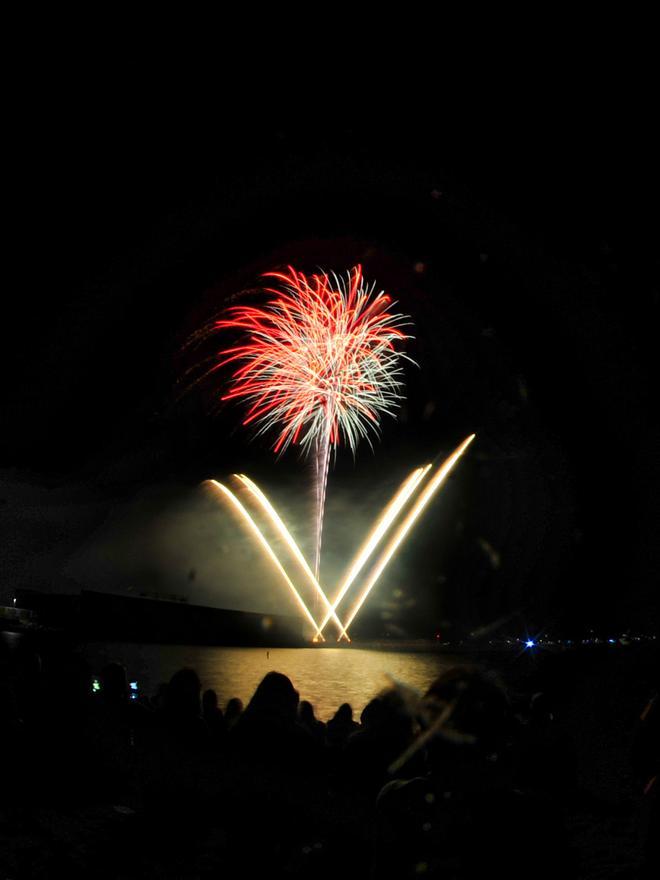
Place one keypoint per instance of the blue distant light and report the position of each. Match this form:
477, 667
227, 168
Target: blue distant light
530, 643
612, 641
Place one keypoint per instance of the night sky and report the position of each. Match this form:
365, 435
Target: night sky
527, 256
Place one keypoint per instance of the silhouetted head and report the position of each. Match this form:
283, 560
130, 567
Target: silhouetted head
209, 701
275, 695
233, 711
344, 714
182, 695
306, 712
388, 715
160, 697
476, 704
114, 686
372, 714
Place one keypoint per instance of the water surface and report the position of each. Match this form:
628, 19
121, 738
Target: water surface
326, 677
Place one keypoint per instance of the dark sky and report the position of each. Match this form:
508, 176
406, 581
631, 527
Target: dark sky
526, 251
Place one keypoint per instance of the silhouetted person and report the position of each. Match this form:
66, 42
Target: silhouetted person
310, 722
464, 817
114, 685
386, 731
213, 716
114, 698
182, 712
341, 726
233, 711
158, 699
116, 726
268, 731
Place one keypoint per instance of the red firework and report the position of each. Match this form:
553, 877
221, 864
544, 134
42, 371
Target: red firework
319, 361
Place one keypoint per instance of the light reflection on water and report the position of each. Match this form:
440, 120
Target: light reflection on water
326, 677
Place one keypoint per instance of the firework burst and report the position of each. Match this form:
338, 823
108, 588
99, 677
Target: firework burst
318, 365
320, 359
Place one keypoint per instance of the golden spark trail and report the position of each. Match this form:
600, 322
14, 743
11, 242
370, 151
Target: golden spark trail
388, 516
407, 524
284, 533
264, 543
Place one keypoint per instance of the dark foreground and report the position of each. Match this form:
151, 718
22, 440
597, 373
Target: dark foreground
543, 770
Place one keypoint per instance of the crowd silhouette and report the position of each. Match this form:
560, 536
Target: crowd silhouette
465, 780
